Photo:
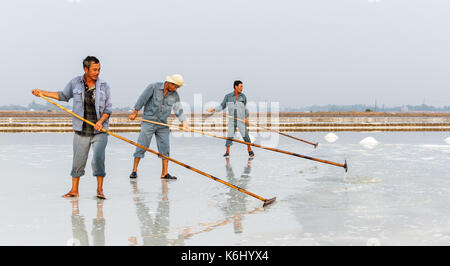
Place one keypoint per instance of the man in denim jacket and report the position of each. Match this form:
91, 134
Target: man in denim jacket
235, 102
158, 100
91, 100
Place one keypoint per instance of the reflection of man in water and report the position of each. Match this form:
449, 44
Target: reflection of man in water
236, 200
80, 235
98, 226
153, 231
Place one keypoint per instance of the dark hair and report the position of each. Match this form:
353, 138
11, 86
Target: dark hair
88, 61
236, 83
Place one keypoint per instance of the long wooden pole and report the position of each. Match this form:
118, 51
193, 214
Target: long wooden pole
252, 144
266, 201
277, 131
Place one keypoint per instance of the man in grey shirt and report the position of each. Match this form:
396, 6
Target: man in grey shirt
235, 102
158, 100
92, 101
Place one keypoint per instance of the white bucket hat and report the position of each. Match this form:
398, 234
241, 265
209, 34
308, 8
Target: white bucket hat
175, 79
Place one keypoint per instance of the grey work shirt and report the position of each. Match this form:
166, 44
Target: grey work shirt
233, 105
75, 89
156, 106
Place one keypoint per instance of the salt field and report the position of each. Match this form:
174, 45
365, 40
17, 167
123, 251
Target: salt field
396, 192
15, 122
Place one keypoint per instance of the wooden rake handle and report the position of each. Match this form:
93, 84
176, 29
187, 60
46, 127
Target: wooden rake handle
277, 131
266, 201
251, 144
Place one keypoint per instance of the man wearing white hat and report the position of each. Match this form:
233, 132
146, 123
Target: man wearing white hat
158, 100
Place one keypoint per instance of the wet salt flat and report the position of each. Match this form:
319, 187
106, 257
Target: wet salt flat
396, 192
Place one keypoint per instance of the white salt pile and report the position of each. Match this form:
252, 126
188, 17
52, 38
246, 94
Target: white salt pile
447, 140
331, 137
369, 142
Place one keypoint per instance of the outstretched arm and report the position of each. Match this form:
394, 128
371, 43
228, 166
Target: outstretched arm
220, 107
65, 95
48, 94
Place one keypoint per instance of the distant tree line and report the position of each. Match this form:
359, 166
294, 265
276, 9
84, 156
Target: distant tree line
366, 108
314, 108
32, 106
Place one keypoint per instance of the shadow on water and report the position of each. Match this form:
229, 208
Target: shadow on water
80, 234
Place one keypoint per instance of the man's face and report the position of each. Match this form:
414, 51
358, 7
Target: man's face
239, 88
93, 71
171, 86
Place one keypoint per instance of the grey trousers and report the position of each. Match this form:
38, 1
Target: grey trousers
162, 134
232, 124
81, 147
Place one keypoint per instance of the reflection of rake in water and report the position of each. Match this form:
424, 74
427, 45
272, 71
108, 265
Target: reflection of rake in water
266, 201
251, 144
186, 234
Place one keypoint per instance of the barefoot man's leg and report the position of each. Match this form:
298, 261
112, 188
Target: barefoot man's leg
165, 164
74, 190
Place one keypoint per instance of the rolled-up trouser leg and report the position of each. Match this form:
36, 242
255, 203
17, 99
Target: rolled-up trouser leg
162, 135
145, 137
99, 143
81, 147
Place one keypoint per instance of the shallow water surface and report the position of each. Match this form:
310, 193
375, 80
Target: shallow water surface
396, 192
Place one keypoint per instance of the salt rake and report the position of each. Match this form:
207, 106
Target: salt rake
266, 201
277, 131
252, 144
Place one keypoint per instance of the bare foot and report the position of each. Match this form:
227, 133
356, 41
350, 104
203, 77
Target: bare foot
70, 195
100, 195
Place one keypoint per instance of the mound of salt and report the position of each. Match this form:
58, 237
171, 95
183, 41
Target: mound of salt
331, 137
447, 140
369, 142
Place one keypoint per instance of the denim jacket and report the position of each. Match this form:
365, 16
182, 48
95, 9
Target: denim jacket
75, 89
156, 106
233, 105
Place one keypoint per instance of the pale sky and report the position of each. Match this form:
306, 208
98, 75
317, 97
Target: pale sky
298, 53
